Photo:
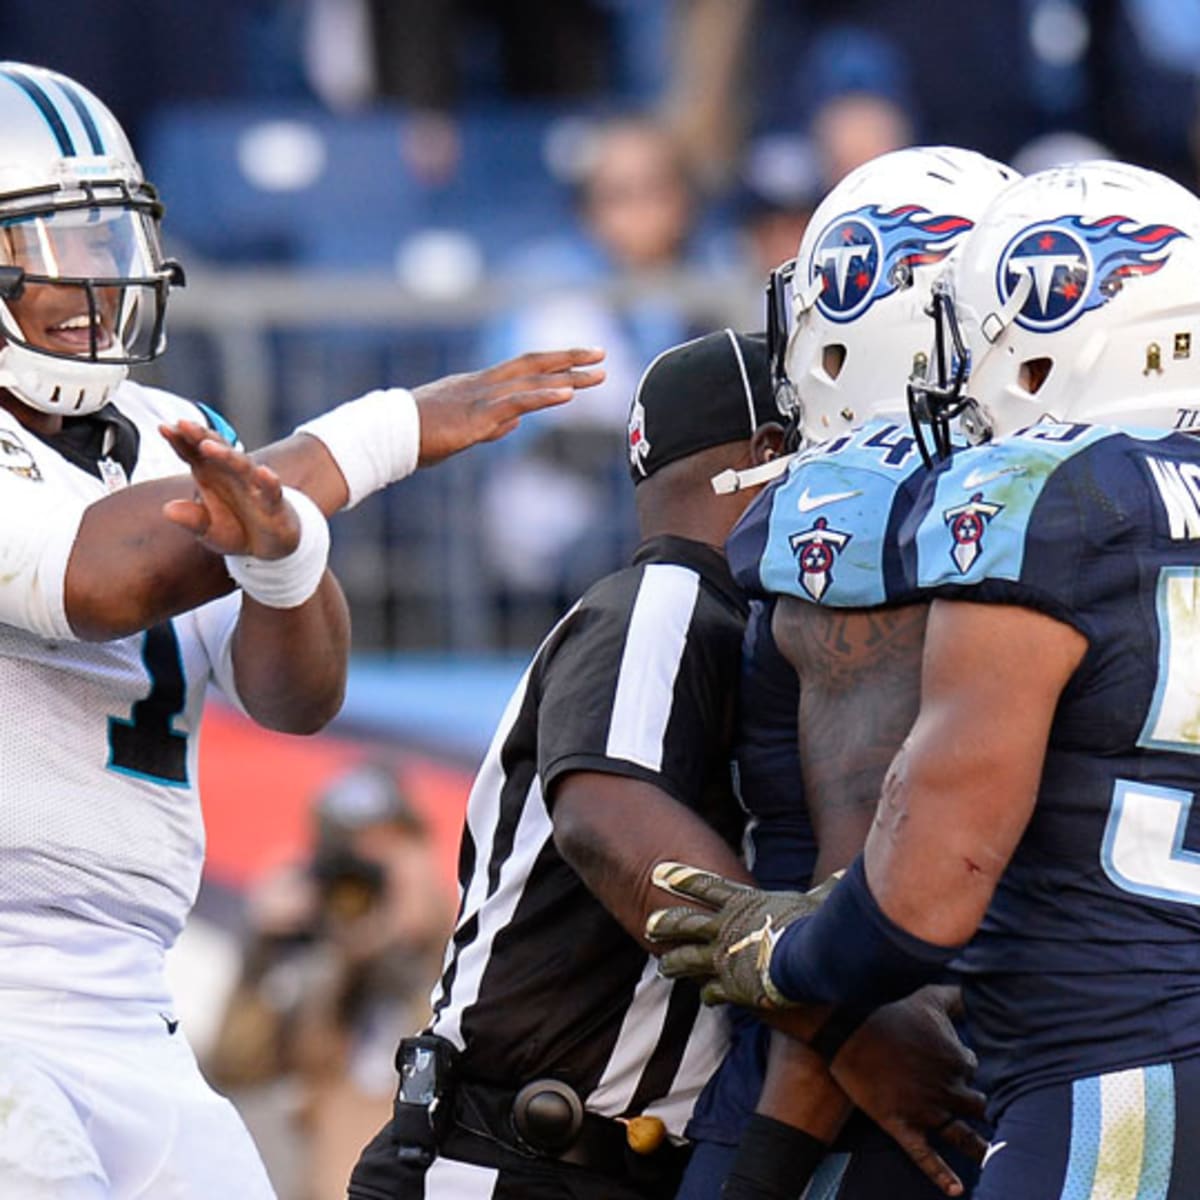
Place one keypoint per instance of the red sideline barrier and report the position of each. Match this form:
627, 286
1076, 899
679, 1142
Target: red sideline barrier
256, 787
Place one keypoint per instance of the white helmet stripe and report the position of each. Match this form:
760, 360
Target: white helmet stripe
46, 107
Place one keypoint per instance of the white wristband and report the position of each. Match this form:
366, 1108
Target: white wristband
375, 440
289, 581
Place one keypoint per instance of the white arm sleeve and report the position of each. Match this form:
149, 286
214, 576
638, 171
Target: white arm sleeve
35, 544
214, 624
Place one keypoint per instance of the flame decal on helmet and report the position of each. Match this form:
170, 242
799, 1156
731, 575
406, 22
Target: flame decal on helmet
1077, 265
869, 253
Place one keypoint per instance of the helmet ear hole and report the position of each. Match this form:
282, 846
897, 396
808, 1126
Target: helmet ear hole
1034, 372
833, 359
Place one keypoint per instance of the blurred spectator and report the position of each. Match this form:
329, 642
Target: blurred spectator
853, 84
341, 954
555, 512
705, 101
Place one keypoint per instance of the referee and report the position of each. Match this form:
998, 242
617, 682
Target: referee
558, 1065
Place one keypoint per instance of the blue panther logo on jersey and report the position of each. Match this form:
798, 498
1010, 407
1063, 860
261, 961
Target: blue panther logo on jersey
867, 254
967, 523
816, 550
1076, 266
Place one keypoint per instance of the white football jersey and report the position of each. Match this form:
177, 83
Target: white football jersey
101, 837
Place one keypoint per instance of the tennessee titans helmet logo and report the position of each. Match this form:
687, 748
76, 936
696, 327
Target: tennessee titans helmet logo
1075, 266
867, 254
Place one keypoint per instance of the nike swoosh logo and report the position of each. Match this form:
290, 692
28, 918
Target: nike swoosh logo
807, 503
994, 1148
977, 478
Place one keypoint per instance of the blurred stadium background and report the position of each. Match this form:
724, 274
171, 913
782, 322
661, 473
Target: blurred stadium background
378, 192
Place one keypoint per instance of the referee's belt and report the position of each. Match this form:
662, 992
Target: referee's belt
546, 1120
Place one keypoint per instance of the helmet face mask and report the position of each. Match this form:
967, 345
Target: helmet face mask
780, 284
861, 286
937, 394
1077, 303
83, 279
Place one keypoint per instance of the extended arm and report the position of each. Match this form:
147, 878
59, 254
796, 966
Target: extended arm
962, 789
612, 829
129, 567
290, 646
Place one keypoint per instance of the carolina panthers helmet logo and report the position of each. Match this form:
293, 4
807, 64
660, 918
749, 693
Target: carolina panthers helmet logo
867, 254
1075, 266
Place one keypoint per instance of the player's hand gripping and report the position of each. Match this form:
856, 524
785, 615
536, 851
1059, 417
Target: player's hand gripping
463, 410
730, 946
239, 506
906, 1069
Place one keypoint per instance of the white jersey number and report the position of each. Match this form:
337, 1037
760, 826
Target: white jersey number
1143, 850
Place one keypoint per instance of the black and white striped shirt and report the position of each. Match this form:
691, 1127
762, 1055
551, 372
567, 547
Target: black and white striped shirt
638, 679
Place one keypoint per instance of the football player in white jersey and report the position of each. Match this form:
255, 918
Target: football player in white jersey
117, 605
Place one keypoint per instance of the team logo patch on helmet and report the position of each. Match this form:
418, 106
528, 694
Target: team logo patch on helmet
1075, 265
816, 550
867, 254
967, 523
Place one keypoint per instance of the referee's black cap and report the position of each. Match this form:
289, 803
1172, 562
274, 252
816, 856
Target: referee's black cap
705, 392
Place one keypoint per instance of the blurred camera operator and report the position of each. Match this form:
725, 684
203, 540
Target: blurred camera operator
340, 955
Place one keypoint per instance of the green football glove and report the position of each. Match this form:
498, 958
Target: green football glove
730, 946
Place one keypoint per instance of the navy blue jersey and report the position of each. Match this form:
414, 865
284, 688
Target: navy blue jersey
826, 532
781, 846
1089, 957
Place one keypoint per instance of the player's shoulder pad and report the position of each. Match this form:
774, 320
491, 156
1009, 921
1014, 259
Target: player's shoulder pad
159, 405
827, 533
996, 508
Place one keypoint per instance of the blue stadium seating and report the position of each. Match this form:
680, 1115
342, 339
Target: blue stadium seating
351, 202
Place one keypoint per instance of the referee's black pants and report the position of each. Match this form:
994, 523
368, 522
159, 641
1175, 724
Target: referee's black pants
473, 1168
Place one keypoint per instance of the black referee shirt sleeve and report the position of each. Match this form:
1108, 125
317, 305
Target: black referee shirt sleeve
641, 683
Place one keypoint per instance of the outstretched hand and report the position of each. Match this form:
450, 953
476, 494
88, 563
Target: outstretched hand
728, 945
238, 506
462, 410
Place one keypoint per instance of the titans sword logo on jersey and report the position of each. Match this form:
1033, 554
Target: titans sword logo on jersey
1075, 265
867, 254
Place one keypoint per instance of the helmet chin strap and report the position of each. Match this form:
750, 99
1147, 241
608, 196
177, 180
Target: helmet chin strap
62, 387
59, 386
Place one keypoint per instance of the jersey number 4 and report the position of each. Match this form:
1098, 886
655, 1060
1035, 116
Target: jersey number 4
145, 744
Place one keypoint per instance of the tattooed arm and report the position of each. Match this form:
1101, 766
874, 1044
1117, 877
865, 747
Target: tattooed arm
860, 689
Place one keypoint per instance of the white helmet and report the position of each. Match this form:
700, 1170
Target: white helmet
1076, 299
856, 325
77, 219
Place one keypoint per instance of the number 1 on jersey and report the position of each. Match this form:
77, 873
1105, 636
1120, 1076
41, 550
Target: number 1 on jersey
146, 744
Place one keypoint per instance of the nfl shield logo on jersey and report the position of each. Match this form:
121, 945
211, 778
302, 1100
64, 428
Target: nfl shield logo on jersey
967, 523
815, 550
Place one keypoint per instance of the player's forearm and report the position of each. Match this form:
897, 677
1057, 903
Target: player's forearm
290, 664
612, 830
130, 568
799, 1090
